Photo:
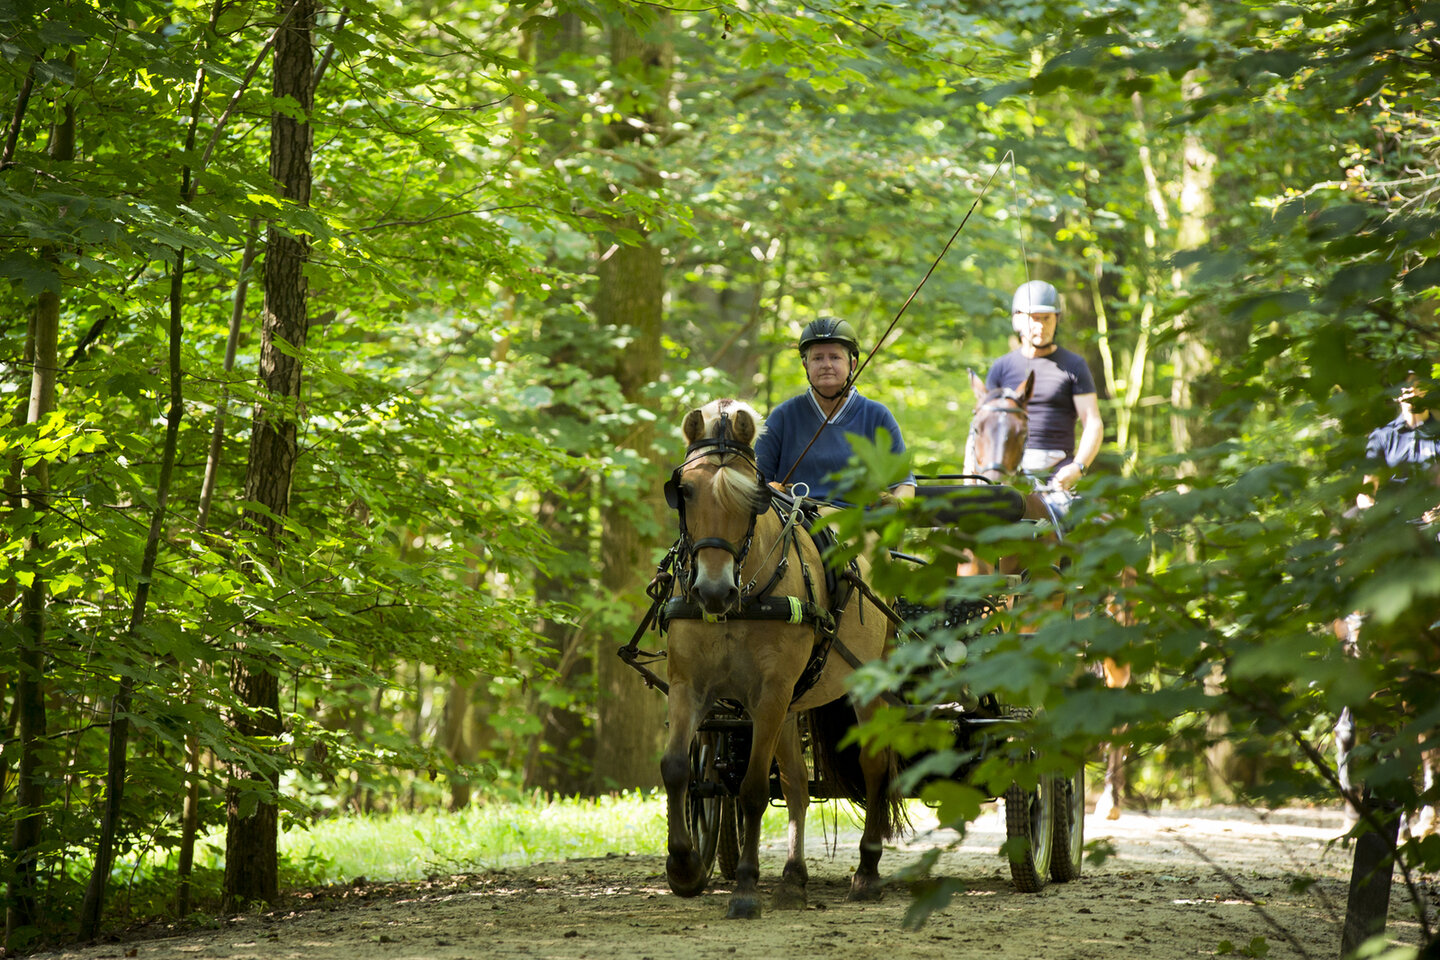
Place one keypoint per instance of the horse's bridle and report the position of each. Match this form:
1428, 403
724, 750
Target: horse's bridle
687, 548
1008, 402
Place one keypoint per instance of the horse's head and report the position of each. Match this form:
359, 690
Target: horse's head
718, 493
998, 429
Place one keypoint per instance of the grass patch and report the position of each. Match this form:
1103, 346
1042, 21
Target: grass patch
486, 835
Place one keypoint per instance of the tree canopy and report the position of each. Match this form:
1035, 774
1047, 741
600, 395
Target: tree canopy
536, 233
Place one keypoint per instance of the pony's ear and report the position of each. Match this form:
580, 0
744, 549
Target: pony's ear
744, 428
977, 385
694, 427
1027, 388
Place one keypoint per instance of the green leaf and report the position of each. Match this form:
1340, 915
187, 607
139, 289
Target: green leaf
34, 275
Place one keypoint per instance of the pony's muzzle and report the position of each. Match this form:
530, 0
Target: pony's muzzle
715, 588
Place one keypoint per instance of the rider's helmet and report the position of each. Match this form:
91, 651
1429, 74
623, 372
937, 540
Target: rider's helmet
1035, 296
829, 330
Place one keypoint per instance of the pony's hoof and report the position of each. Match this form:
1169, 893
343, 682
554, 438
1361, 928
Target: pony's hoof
743, 907
1106, 807
864, 890
789, 896
685, 876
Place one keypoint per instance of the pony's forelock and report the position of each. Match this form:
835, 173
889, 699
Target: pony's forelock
736, 487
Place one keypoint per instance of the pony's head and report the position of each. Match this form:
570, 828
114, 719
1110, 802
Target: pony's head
718, 493
998, 429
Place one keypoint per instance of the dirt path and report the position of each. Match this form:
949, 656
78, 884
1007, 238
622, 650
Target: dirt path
1165, 894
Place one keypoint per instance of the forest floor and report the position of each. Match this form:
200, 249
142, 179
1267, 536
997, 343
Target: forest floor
1180, 884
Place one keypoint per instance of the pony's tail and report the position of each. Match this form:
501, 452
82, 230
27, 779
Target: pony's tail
840, 767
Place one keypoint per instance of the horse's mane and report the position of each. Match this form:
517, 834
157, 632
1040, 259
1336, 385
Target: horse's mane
736, 486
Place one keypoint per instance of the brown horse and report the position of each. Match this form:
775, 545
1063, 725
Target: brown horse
731, 540
998, 430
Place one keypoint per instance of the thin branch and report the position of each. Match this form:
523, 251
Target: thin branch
12, 133
260, 58
329, 53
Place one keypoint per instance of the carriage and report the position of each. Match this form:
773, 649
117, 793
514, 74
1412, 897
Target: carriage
722, 728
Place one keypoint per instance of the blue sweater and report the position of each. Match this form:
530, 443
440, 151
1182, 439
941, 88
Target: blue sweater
792, 424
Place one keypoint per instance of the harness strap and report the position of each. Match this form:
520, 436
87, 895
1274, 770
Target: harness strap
781, 609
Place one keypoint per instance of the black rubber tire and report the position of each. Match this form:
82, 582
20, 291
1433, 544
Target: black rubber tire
1030, 817
1068, 849
728, 848
703, 813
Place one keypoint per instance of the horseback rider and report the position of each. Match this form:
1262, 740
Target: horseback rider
830, 353
1404, 449
1410, 441
1064, 391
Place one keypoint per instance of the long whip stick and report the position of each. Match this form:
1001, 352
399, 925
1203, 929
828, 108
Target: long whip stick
903, 307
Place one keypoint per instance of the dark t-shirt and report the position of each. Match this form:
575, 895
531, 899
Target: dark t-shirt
1398, 443
1059, 379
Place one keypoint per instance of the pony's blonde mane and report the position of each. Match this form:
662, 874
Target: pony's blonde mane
736, 486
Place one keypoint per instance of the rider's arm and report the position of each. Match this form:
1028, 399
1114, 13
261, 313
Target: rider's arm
1087, 407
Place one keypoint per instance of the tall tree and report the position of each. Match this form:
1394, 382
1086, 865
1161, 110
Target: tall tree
23, 913
630, 300
252, 827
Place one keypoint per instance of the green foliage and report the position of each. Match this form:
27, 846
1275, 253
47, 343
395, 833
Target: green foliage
1257, 947
1241, 193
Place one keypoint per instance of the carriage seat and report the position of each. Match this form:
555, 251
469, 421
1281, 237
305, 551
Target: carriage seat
972, 506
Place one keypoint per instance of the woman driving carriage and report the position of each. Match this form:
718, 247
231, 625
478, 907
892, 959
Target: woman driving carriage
807, 438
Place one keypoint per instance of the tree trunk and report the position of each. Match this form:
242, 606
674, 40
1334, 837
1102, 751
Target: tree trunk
94, 903
190, 815
629, 716
252, 822
558, 761
1191, 356
24, 912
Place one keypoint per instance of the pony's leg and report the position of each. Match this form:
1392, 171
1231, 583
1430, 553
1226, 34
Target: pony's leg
1426, 821
795, 784
1347, 631
682, 866
1344, 744
767, 721
881, 810
1107, 805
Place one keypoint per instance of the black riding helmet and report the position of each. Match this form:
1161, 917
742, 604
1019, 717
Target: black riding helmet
829, 330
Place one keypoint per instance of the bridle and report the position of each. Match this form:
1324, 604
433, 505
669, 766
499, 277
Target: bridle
1007, 403
686, 548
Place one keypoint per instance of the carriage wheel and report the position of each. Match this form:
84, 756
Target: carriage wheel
1030, 829
1069, 846
704, 811
728, 848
